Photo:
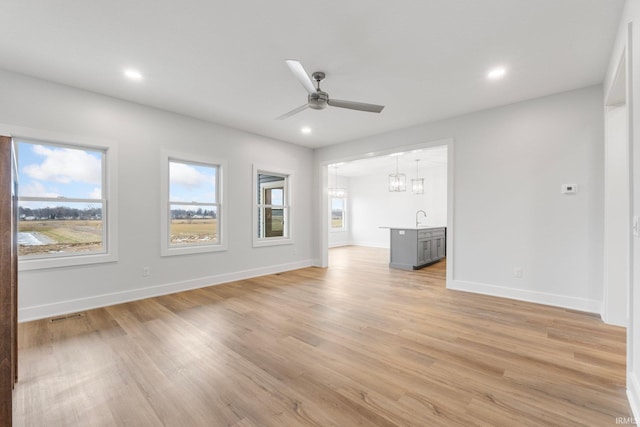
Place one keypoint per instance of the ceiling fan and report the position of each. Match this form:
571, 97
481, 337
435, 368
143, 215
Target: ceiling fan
318, 99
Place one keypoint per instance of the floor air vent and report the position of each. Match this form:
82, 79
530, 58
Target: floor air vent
67, 317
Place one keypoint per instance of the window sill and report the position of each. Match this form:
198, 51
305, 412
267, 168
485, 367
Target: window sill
66, 261
273, 241
192, 250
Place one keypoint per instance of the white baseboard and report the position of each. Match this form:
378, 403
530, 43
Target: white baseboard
633, 395
614, 319
71, 306
338, 244
573, 303
371, 244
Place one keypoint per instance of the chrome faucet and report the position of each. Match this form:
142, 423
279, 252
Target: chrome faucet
417, 213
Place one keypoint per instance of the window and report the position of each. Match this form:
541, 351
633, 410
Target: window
338, 218
272, 208
64, 214
192, 206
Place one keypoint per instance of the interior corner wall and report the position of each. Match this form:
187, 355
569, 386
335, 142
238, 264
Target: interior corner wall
509, 165
141, 133
628, 38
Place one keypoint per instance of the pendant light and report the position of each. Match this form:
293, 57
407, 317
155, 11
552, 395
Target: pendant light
397, 181
417, 185
336, 191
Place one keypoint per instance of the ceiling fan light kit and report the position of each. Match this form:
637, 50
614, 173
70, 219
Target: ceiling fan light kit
317, 98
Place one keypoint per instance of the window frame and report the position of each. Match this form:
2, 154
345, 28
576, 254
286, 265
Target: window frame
344, 215
109, 198
166, 249
287, 207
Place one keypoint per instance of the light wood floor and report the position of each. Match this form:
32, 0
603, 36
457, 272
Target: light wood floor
357, 344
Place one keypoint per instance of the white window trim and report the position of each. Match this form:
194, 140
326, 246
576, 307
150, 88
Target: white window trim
344, 216
110, 193
272, 241
165, 248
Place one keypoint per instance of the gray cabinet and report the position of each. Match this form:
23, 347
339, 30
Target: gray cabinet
412, 249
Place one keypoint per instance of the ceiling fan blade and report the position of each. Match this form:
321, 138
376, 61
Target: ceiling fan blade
360, 106
292, 112
302, 76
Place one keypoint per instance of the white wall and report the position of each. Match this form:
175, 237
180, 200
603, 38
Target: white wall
628, 42
141, 133
509, 165
616, 218
373, 206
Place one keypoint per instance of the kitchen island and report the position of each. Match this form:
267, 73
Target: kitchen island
414, 248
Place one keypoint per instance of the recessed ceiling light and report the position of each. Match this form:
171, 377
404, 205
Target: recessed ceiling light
496, 73
133, 74
306, 130
396, 154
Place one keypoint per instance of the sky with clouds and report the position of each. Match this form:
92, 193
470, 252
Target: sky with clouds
52, 171
192, 182
64, 172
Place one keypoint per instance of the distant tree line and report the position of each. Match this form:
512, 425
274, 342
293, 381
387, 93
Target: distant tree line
59, 212
190, 214
65, 212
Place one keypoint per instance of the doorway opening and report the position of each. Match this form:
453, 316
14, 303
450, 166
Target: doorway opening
359, 205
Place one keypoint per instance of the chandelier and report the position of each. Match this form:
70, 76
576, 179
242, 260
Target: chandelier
335, 191
397, 181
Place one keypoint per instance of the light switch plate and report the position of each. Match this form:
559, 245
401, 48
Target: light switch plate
569, 189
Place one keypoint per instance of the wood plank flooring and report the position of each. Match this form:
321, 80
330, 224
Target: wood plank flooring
357, 344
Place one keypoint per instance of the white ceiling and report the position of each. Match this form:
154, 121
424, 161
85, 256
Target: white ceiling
223, 61
428, 158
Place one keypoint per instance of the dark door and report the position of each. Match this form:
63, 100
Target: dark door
8, 281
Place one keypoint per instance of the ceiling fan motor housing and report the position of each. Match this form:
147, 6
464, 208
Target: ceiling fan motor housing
318, 100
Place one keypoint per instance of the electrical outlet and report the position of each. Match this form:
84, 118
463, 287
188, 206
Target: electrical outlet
569, 189
517, 272
146, 271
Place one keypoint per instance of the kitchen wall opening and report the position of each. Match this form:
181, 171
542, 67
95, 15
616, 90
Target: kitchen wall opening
369, 197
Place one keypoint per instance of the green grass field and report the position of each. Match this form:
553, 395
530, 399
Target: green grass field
190, 231
336, 223
86, 235
65, 231
63, 236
